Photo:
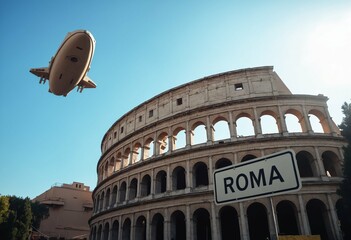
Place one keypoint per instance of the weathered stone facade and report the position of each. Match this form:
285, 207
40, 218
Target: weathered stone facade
155, 173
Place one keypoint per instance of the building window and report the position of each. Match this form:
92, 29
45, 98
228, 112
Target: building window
179, 101
115, 134
122, 129
238, 87
140, 118
151, 113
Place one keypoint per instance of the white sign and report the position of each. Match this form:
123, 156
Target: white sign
261, 177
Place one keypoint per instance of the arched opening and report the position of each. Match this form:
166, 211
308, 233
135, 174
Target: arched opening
140, 228
99, 232
162, 143
107, 198
126, 157
157, 227
118, 162
229, 223
111, 166
318, 219
258, 221
248, 157
136, 154
106, 232
115, 228
178, 228
93, 234
105, 171
102, 201
244, 126
305, 162
178, 178
287, 218
133, 188
114, 196
97, 203
161, 182
145, 186
200, 174
179, 138
292, 121
223, 162
149, 148
318, 121
269, 124
331, 164
221, 130
202, 224
126, 229
199, 134
122, 192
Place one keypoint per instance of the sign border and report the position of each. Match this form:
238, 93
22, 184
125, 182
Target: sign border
264, 158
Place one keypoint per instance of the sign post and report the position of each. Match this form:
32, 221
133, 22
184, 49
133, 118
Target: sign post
270, 175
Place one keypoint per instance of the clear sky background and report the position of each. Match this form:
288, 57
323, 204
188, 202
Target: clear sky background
142, 49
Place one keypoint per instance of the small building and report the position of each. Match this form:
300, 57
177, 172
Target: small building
70, 207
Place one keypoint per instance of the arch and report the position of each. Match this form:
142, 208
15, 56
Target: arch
269, 123
223, 162
122, 192
157, 227
179, 138
161, 182
97, 203
202, 224
102, 201
248, 157
99, 232
145, 186
126, 157
318, 219
199, 133
115, 230
178, 178
200, 174
93, 234
244, 126
287, 218
319, 122
229, 223
140, 228
292, 121
106, 231
305, 163
126, 229
331, 164
162, 142
107, 198
114, 196
133, 189
178, 227
221, 130
136, 153
118, 162
258, 221
149, 148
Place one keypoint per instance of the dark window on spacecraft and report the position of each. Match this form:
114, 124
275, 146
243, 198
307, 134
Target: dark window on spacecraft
122, 129
151, 113
238, 87
179, 101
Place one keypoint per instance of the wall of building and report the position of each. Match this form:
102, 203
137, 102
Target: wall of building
155, 172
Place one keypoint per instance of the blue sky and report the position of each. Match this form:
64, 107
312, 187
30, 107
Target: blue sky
142, 49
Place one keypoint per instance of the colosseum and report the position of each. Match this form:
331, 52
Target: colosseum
155, 173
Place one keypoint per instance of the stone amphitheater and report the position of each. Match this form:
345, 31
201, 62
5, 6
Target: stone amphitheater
155, 173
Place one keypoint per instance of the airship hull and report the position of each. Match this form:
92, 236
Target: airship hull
71, 63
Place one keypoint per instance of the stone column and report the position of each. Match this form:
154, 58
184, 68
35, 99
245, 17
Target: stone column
305, 223
334, 219
214, 220
257, 124
188, 223
244, 231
